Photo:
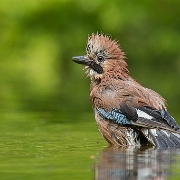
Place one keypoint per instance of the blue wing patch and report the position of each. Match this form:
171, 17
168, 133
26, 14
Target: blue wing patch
114, 115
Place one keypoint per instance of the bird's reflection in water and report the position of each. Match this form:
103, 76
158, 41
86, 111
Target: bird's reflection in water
136, 164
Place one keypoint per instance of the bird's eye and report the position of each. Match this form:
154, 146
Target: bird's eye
100, 58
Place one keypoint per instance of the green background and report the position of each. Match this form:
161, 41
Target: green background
47, 128
39, 37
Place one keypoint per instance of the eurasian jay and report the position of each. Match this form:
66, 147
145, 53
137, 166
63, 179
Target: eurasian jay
127, 114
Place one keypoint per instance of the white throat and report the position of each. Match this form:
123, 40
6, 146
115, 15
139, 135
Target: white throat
94, 76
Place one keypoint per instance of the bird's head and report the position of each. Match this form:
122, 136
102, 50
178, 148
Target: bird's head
103, 56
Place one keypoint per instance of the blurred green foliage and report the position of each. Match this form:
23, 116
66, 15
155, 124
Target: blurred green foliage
39, 37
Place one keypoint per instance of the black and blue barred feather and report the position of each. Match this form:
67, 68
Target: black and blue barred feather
114, 115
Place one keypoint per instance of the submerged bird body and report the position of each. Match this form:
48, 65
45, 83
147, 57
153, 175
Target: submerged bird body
126, 112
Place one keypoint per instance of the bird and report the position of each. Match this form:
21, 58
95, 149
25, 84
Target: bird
127, 113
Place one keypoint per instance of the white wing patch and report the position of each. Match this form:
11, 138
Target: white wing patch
153, 131
143, 114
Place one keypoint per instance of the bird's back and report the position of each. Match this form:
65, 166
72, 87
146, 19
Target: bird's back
113, 92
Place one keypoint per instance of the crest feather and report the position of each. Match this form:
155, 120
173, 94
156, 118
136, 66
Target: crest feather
100, 42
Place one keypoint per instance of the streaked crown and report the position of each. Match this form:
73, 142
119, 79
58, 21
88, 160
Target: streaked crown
101, 47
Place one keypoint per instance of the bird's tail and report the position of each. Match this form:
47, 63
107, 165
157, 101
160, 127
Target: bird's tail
162, 138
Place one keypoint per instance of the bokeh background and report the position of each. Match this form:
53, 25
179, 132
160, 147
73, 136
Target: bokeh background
39, 37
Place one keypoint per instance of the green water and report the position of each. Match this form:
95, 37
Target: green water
48, 146
61, 146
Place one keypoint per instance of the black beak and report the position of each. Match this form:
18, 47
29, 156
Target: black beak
81, 60
87, 62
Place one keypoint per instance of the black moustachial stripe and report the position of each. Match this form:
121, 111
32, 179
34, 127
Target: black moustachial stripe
96, 67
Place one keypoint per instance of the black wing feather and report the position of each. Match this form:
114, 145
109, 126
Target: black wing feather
170, 120
159, 117
162, 143
129, 111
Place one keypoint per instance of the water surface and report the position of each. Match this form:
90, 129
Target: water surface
48, 145
146, 163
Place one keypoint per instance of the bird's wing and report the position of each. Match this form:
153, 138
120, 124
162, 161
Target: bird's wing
149, 117
159, 129
143, 116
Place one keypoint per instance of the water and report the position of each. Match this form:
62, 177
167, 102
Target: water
142, 164
46, 145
